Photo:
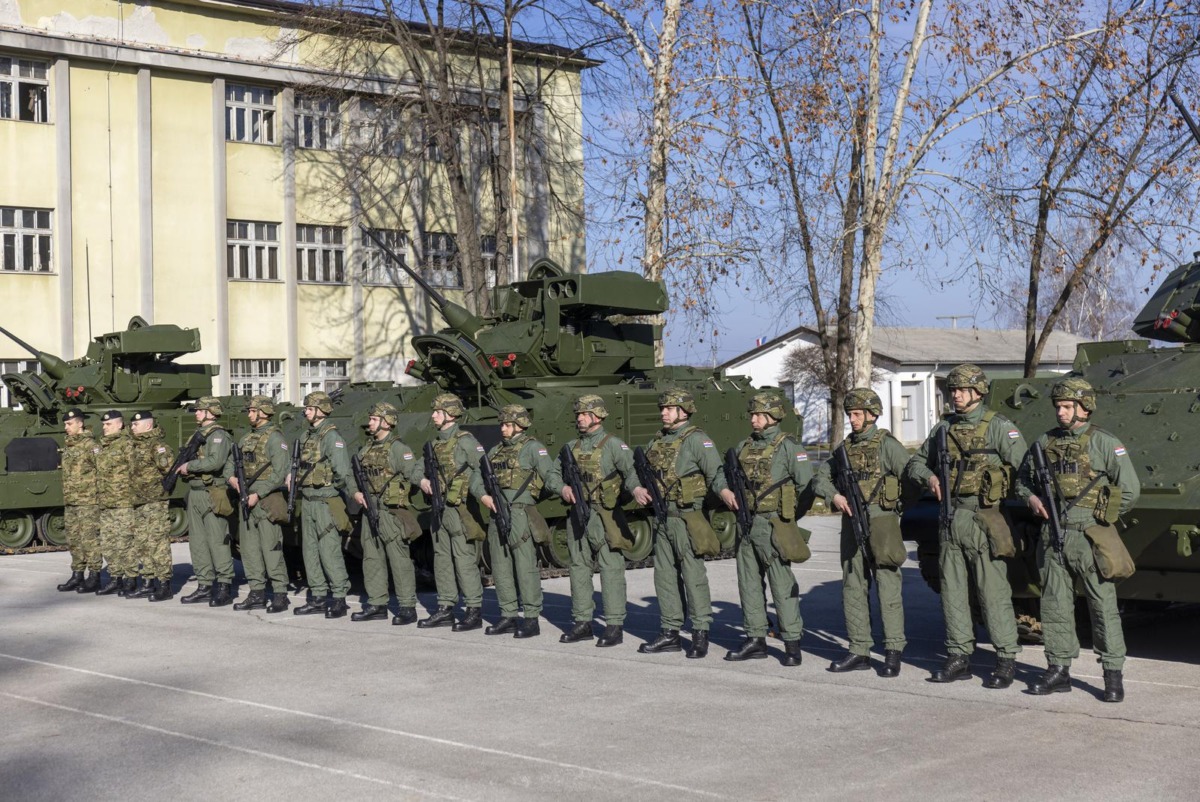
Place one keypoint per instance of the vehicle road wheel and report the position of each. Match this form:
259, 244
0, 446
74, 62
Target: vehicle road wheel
557, 553
52, 528
16, 529
724, 524
177, 515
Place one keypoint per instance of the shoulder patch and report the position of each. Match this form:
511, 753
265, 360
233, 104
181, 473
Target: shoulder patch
338, 444
707, 444
801, 456
284, 446
542, 452
1119, 451
1013, 434
479, 449
624, 447
216, 439
161, 449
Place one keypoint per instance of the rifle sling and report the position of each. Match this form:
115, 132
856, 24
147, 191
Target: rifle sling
1071, 504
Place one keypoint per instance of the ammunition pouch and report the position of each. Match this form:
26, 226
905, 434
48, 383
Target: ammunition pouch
889, 494
456, 493
615, 534
410, 529
1113, 560
337, 511
993, 485
538, 526
473, 531
689, 490
220, 500
320, 474
997, 525
887, 544
274, 505
700, 532
1108, 505
781, 500
790, 541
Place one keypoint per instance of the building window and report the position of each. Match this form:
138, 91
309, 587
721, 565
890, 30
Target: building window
249, 114
906, 407
318, 122
24, 87
379, 129
439, 260
320, 254
25, 239
15, 366
324, 375
377, 268
256, 377
253, 250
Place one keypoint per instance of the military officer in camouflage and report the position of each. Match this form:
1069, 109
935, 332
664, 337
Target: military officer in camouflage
266, 459
454, 555
777, 470
985, 450
324, 477
152, 460
878, 461
1088, 464
208, 506
392, 469
81, 514
605, 466
523, 468
113, 465
687, 466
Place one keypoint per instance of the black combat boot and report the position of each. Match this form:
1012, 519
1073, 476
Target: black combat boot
200, 594
146, 592
369, 612
162, 591
957, 666
1114, 685
404, 615
255, 599
667, 641
581, 631
279, 602
73, 583
751, 649
699, 647
91, 584
128, 587
792, 656
1002, 675
472, 619
1055, 679
221, 595
528, 628
442, 617
891, 663
337, 608
113, 585
851, 662
311, 606
506, 624
613, 634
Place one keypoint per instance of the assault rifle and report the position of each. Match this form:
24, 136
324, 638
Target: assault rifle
941, 469
239, 473
293, 479
649, 479
1047, 489
735, 476
370, 508
186, 454
491, 483
581, 512
437, 498
847, 485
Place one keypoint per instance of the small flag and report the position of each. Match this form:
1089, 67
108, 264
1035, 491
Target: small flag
758, 341
1119, 451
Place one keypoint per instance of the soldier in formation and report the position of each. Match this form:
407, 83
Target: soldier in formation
151, 533
391, 469
877, 460
1093, 483
81, 513
114, 462
208, 506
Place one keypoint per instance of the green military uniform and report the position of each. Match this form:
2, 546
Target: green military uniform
874, 455
266, 459
208, 531
392, 469
152, 459
114, 463
81, 515
454, 556
324, 477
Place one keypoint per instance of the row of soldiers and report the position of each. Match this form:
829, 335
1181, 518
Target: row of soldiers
1093, 477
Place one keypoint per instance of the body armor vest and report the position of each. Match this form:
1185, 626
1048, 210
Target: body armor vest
390, 487
756, 458
315, 468
209, 478
969, 453
1070, 460
255, 459
601, 490
79, 469
454, 478
664, 456
507, 464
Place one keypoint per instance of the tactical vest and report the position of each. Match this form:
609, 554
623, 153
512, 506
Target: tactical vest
454, 477
256, 460
756, 458
507, 464
969, 452
209, 432
79, 469
390, 487
315, 468
1070, 460
146, 476
664, 458
599, 489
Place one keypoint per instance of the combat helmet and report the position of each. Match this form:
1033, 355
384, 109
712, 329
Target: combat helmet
678, 397
768, 404
449, 403
515, 413
1077, 390
263, 403
209, 403
863, 398
385, 412
591, 403
968, 375
320, 400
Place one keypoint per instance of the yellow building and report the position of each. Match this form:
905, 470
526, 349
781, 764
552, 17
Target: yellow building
200, 163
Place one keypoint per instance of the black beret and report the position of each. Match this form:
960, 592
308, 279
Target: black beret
74, 413
112, 414
146, 415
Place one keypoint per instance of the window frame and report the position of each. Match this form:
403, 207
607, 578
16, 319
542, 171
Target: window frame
256, 381
373, 264
22, 241
320, 254
319, 381
312, 115
439, 258
14, 85
255, 249
253, 124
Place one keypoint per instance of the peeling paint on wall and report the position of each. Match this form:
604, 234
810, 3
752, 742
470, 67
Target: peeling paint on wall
196, 41
139, 26
10, 13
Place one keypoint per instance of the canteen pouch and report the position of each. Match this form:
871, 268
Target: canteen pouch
538, 526
994, 523
704, 539
1113, 560
220, 500
1108, 505
993, 486
887, 544
275, 507
410, 529
337, 511
889, 494
790, 541
615, 534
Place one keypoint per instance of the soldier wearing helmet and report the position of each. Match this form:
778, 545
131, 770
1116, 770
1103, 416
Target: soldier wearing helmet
687, 467
605, 467
456, 453
81, 515
207, 505
877, 460
265, 463
391, 468
1094, 483
324, 478
983, 450
777, 471
522, 468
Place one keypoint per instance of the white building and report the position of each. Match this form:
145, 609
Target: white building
910, 366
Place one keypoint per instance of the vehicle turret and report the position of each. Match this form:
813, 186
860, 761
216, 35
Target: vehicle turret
1173, 313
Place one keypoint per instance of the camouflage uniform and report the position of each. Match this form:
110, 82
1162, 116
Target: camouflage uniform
266, 459
114, 464
324, 477
81, 515
208, 532
152, 459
